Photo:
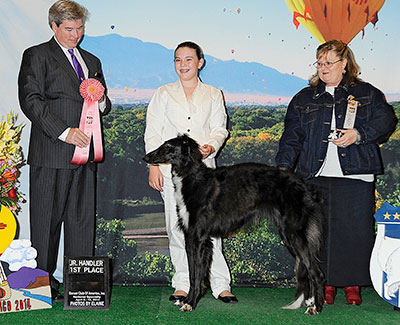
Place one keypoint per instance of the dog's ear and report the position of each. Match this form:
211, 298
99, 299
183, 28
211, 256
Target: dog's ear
191, 147
194, 153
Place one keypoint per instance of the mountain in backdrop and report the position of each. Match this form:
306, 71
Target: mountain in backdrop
131, 63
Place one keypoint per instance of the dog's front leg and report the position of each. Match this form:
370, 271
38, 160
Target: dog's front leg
196, 271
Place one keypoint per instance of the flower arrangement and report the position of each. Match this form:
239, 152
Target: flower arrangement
11, 160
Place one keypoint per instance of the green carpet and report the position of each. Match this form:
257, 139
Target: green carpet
150, 305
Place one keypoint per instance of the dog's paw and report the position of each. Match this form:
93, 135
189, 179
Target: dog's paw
186, 307
311, 311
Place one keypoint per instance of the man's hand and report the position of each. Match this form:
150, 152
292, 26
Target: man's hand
77, 138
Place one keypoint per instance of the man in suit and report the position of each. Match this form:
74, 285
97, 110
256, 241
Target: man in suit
49, 96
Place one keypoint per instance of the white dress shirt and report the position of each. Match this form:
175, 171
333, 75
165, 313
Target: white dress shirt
170, 114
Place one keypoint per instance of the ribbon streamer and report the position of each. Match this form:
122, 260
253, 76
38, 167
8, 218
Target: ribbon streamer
92, 91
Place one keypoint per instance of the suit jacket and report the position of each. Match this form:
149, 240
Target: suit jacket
169, 114
49, 96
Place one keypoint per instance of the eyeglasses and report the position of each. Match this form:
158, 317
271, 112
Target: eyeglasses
329, 65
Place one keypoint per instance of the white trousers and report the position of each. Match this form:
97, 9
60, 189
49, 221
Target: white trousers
220, 277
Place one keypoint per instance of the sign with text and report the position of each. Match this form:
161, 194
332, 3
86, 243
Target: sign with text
24, 290
86, 282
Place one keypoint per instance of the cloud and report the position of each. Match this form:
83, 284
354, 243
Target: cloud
18, 254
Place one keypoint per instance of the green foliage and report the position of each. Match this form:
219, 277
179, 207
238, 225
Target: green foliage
254, 136
123, 133
257, 256
390, 194
129, 266
147, 268
248, 118
260, 148
110, 242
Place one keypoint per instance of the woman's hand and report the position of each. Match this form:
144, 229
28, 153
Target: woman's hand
206, 150
348, 138
156, 180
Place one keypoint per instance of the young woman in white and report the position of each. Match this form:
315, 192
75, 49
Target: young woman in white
190, 107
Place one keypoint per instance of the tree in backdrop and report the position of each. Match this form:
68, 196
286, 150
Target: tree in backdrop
388, 184
128, 267
257, 256
123, 174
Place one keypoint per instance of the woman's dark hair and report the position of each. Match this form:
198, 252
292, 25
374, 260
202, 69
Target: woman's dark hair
191, 45
352, 69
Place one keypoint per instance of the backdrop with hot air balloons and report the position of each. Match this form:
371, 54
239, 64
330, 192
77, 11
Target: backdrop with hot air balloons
334, 19
259, 53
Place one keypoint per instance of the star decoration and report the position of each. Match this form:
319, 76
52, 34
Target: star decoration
396, 216
387, 216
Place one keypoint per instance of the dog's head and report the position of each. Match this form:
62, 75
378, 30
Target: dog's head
177, 151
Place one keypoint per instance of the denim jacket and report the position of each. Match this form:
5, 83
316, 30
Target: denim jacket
304, 143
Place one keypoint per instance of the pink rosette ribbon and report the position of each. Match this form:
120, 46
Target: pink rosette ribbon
92, 91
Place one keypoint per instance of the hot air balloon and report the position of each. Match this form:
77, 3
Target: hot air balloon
334, 19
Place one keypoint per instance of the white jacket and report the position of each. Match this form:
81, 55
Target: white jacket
169, 114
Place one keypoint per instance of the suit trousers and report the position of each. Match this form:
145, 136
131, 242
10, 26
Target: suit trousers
57, 196
220, 278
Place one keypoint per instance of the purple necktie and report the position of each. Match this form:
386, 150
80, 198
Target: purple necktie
77, 66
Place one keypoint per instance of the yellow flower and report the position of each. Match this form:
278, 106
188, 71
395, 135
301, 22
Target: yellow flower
13, 148
9, 135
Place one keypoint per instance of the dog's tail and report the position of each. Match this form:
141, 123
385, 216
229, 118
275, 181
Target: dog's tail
313, 208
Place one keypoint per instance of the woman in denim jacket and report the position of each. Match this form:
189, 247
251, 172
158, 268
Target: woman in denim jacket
332, 133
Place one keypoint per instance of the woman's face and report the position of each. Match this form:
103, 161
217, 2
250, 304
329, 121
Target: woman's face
187, 64
333, 75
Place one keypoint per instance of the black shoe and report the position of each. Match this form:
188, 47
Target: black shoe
228, 299
176, 298
56, 296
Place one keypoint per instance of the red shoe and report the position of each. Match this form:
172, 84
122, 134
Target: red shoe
353, 295
330, 293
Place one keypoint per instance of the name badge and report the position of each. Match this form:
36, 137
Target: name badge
350, 113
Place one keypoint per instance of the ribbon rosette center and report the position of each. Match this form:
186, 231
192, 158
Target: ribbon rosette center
92, 89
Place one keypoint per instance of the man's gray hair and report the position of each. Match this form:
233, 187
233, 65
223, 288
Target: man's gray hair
67, 10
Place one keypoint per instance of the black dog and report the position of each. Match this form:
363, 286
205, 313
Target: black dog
215, 202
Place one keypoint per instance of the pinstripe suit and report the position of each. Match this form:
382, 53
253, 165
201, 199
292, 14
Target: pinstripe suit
59, 191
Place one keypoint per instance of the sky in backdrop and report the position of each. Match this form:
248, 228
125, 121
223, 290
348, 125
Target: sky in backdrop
248, 30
